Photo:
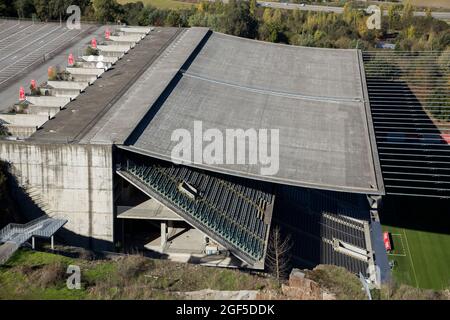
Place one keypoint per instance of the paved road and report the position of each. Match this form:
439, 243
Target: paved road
292, 6
6, 251
307, 7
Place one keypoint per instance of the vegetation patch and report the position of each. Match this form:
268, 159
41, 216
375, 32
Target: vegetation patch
40, 275
339, 281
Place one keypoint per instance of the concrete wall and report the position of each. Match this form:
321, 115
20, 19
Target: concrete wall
73, 181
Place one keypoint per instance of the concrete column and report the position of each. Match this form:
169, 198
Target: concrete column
52, 243
169, 227
32, 243
123, 234
163, 235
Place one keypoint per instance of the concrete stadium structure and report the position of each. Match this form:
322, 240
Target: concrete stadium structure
103, 162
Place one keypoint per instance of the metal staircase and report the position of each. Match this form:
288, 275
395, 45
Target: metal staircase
14, 235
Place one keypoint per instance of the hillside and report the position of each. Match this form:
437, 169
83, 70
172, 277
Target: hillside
40, 275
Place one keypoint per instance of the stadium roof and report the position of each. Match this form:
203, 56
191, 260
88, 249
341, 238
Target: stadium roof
316, 98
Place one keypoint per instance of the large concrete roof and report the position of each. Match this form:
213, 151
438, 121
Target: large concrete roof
314, 97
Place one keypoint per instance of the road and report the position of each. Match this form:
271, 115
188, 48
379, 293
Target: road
307, 7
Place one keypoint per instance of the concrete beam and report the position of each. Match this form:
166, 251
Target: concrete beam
23, 120
48, 101
95, 65
114, 48
43, 110
22, 125
85, 71
127, 38
138, 30
103, 59
68, 85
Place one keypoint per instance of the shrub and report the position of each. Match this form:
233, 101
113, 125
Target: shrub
85, 254
52, 72
51, 274
132, 266
91, 51
339, 281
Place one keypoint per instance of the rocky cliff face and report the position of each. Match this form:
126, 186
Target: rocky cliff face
299, 287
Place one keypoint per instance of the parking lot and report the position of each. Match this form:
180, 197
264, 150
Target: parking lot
24, 44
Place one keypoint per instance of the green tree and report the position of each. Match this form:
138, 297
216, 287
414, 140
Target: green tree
408, 13
24, 8
253, 8
106, 10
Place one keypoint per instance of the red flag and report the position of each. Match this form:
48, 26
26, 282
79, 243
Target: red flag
22, 94
33, 84
94, 43
387, 241
446, 137
71, 60
107, 34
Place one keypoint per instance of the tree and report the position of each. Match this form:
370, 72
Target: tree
253, 8
408, 13
277, 259
392, 16
106, 10
237, 20
24, 8
173, 19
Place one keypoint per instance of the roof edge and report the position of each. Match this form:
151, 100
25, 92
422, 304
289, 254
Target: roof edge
252, 176
372, 138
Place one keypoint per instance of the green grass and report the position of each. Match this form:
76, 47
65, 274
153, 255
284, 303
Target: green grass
161, 4
37, 275
422, 258
421, 241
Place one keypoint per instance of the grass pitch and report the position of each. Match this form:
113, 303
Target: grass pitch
421, 245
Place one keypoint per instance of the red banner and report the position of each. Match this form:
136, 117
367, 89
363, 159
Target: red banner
387, 241
22, 94
71, 60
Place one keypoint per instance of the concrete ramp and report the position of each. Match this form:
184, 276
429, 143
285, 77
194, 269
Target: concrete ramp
6, 251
